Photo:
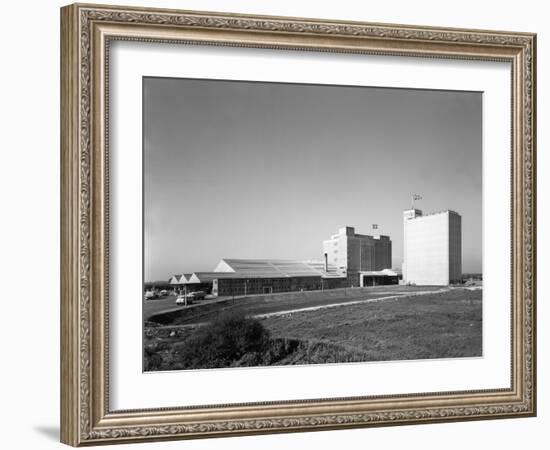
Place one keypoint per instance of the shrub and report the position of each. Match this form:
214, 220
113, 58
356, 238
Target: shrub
279, 349
153, 360
232, 339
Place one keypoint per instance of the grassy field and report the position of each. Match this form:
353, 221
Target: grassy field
428, 326
207, 311
433, 325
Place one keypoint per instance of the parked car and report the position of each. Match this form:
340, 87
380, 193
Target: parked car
197, 295
150, 295
163, 293
180, 300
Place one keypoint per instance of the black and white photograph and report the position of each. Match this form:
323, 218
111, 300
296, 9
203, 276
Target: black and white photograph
296, 224
275, 225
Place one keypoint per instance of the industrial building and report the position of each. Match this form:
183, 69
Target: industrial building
350, 260
262, 276
358, 255
432, 255
432, 248
255, 276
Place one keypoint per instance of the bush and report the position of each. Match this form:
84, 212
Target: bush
231, 340
279, 349
152, 359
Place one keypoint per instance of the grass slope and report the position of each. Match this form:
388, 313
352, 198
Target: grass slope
443, 325
439, 325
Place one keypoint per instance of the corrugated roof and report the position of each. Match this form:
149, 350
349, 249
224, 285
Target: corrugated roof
273, 268
332, 271
270, 268
208, 277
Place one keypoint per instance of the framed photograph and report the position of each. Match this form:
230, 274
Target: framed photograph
273, 224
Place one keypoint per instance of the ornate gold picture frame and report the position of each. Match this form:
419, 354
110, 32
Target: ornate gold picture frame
87, 31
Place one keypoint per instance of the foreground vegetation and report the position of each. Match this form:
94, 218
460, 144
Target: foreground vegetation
236, 341
439, 325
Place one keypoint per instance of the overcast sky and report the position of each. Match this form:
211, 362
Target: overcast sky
269, 170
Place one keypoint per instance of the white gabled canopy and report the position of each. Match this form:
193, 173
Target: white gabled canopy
180, 279
380, 273
194, 278
175, 279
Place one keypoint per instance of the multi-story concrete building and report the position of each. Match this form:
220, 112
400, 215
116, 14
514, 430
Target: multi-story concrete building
432, 247
352, 254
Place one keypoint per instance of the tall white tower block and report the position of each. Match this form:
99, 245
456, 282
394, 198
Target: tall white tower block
432, 248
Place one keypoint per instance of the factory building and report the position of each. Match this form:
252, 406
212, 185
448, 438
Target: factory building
264, 276
350, 260
432, 248
358, 255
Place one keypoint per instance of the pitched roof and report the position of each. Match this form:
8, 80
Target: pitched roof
208, 277
175, 279
273, 268
180, 279
332, 271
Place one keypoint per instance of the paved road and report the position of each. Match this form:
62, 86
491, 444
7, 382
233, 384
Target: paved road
167, 304
158, 305
371, 299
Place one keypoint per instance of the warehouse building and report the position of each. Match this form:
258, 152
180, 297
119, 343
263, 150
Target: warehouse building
263, 276
432, 248
266, 276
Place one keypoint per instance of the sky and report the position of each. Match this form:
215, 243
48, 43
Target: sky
269, 170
